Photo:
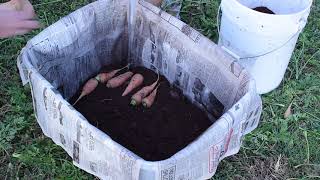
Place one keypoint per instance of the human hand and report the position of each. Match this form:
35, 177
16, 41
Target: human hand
17, 18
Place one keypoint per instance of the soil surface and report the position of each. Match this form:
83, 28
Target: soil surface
154, 133
263, 10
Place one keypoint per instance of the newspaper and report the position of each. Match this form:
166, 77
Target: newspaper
57, 61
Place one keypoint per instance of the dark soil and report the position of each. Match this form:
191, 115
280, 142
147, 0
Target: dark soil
263, 10
154, 134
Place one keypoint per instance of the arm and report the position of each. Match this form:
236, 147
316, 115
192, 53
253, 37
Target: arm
17, 18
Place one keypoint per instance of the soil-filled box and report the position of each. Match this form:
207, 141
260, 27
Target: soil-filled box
59, 60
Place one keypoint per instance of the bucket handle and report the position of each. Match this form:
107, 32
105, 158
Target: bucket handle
301, 26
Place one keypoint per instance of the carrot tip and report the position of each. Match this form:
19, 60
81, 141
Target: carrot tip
79, 98
133, 102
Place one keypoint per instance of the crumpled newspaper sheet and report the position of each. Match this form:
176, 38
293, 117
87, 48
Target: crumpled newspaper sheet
62, 57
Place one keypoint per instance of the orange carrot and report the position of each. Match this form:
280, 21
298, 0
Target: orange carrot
88, 88
148, 101
119, 80
136, 81
104, 77
136, 99
93, 82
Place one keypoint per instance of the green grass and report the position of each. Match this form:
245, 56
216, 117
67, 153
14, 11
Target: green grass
280, 148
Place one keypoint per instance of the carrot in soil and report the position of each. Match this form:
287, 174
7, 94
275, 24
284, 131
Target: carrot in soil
119, 80
136, 81
88, 88
136, 99
93, 82
105, 77
148, 101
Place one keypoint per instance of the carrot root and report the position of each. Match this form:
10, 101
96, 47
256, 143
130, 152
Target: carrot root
136, 81
104, 77
137, 98
80, 97
147, 102
119, 80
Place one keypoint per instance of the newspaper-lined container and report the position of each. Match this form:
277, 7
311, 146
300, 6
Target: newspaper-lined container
58, 60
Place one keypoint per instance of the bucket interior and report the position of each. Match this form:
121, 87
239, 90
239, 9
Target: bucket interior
283, 7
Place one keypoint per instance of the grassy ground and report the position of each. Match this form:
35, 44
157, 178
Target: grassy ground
281, 148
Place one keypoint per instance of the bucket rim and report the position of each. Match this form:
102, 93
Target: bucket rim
271, 15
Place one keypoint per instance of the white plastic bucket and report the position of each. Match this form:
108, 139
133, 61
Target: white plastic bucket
263, 43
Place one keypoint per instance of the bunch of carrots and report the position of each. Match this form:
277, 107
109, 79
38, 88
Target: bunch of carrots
145, 96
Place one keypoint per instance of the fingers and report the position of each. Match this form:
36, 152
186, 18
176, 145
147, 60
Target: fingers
14, 33
26, 14
15, 20
21, 15
28, 24
17, 17
27, 7
21, 31
21, 9
6, 6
